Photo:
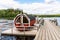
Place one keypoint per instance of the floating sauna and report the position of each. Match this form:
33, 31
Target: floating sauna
24, 21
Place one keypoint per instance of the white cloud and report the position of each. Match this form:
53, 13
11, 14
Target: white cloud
49, 7
44, 8
49, 1
9, 3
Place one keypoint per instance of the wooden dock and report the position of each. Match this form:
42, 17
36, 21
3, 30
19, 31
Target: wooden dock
20, 35
48, 32
15, 32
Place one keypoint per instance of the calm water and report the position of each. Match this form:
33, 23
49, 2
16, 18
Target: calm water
7, 24
58, 19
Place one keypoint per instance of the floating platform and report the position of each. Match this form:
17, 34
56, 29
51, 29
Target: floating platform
15, 32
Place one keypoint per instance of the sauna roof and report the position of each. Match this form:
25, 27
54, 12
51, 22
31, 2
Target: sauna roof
31, 17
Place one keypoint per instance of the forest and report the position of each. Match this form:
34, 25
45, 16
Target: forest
9, 13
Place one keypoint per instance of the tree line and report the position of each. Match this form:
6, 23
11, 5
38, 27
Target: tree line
9, 13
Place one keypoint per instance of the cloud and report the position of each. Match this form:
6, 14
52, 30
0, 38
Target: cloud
9, 3
43, 8
48, 7
49, 1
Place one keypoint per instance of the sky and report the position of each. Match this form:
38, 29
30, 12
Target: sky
30, 1
33, 6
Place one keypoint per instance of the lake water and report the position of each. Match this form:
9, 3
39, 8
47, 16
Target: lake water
7, 24
4, 25
58, 19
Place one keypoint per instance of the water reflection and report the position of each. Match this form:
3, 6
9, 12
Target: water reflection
8, 38
5, 25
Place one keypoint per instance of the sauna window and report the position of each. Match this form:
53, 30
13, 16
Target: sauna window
25, 20
18, 20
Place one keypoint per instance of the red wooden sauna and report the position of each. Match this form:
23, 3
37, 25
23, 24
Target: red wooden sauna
24, 21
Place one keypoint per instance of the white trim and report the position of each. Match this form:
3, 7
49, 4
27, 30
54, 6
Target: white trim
21, 18
29, 22
27, 19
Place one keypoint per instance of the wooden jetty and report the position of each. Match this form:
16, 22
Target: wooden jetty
48, 32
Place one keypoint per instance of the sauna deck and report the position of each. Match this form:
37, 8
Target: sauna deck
15, 32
